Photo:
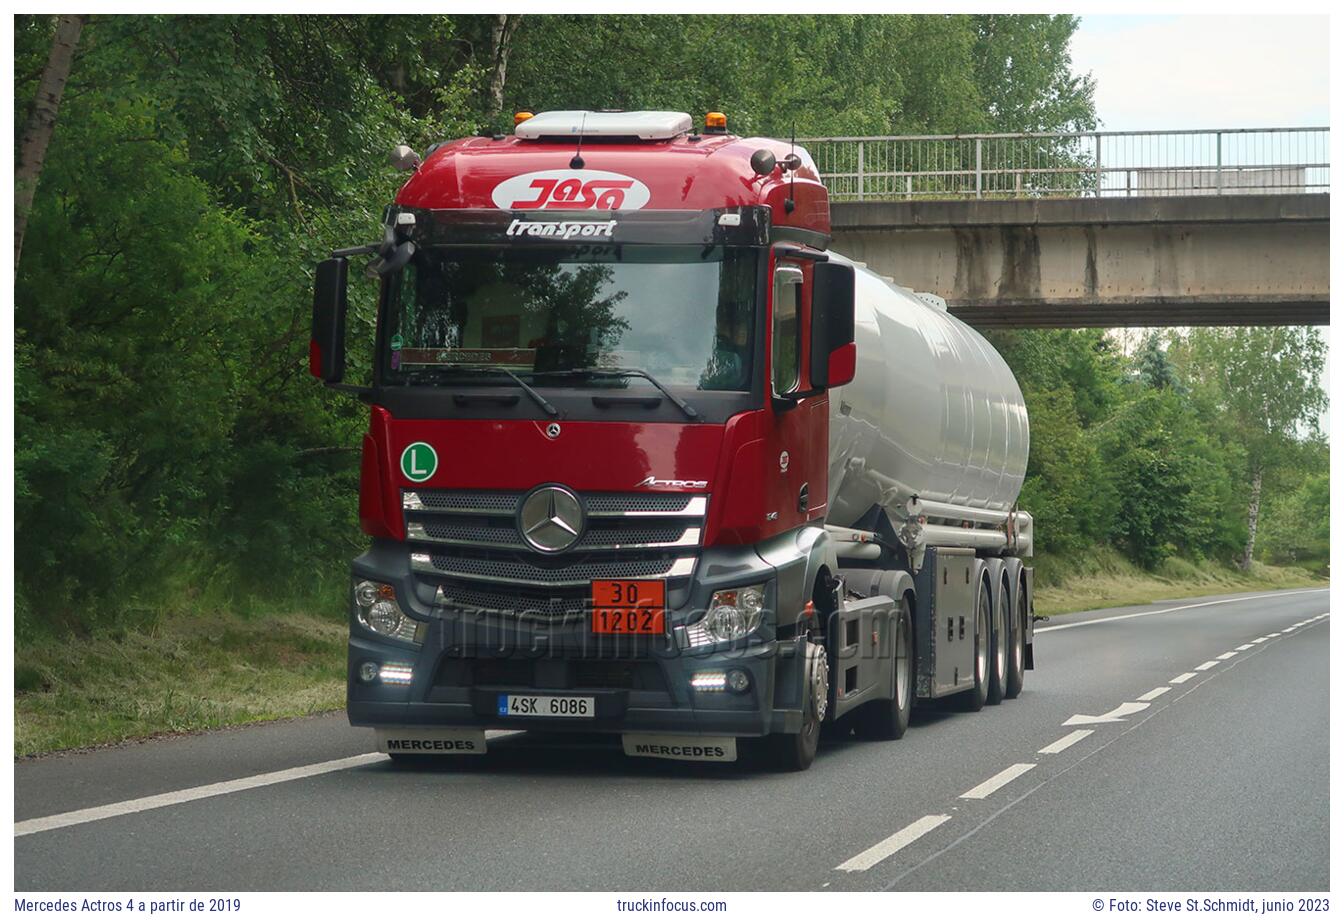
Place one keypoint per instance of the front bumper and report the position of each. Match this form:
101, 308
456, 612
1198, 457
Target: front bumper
638, 684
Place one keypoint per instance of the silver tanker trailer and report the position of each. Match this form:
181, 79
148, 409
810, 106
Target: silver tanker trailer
928, 451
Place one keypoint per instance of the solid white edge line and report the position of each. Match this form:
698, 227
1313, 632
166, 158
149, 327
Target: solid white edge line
180, 796
897, 841
1149, 613
195, 793
997, 781
1206, 665
1182, 678
1152, 694
1066, 742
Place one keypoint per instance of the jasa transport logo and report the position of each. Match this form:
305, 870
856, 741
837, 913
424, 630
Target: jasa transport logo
571, 189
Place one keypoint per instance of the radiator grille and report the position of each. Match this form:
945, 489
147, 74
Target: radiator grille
466, 544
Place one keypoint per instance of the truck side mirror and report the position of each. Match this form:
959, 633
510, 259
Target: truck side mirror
326, 348
833, 355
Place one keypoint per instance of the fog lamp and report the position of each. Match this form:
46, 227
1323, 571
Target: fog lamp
368, 672
738, 681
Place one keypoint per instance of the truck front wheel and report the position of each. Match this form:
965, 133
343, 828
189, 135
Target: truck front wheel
887, 720
795, 752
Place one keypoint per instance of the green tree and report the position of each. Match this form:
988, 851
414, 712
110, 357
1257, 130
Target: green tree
1265, 384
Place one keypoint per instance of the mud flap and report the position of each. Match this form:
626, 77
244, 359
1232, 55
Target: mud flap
431, 741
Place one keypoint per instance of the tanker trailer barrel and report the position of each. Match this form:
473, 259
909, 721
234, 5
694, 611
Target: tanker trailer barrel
932, 425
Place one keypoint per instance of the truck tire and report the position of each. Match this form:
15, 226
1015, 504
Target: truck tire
887, 720
795, 752
1017, 654
973, 700
998, 663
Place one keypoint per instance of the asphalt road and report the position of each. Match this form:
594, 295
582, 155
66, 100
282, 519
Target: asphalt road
1219, 782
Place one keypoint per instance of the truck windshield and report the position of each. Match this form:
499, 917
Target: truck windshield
682, 314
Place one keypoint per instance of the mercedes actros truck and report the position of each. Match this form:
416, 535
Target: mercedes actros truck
645, 457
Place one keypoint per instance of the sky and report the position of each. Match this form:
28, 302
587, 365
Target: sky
1206, 71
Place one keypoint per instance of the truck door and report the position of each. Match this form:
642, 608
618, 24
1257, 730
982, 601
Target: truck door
796, 429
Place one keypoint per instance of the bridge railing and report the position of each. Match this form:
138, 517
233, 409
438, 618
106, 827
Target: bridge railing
1120, 164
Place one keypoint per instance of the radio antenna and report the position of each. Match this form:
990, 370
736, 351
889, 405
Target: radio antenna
577, 161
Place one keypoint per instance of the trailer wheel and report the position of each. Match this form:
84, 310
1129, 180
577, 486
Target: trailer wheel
998, 676
973, 700
887, 720
795, 752
1017, 668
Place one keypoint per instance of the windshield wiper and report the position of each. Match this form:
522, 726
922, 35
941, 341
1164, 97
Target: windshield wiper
619, 372
522, 384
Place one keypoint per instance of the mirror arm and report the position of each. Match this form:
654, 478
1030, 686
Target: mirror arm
790, 400
794, 251
366, 249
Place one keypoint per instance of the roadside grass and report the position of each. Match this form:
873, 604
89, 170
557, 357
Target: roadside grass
1102, 579
183, 673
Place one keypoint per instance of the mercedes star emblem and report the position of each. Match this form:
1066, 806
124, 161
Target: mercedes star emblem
551, 519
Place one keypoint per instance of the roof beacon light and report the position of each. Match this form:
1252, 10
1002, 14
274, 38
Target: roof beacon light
520, 117
716, 123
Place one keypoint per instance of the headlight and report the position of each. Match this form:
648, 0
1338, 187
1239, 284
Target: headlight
733, 614
377, 610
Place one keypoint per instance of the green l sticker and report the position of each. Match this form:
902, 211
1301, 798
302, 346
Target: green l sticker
418, 461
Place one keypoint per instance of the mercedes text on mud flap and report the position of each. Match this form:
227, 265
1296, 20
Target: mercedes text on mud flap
645, 458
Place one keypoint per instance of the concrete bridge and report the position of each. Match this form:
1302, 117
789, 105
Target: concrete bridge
1055, 239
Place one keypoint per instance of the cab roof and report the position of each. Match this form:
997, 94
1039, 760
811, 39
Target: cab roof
651, 159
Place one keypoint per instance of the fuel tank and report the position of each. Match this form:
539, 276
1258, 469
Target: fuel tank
932, 411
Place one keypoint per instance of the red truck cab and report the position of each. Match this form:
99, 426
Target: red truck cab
595, 472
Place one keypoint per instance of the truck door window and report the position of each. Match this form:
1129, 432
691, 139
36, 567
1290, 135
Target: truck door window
788, 295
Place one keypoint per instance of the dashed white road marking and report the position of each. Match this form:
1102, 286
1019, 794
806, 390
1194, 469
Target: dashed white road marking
1206, 665
1066, 742
1261, 639
1226, 655
897, 841
1150, 613
1242, 648
997, 781
1153, 694
1182, 678
195, 793
1273, 635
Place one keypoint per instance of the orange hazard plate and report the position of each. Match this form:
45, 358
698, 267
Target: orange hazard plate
629, 607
